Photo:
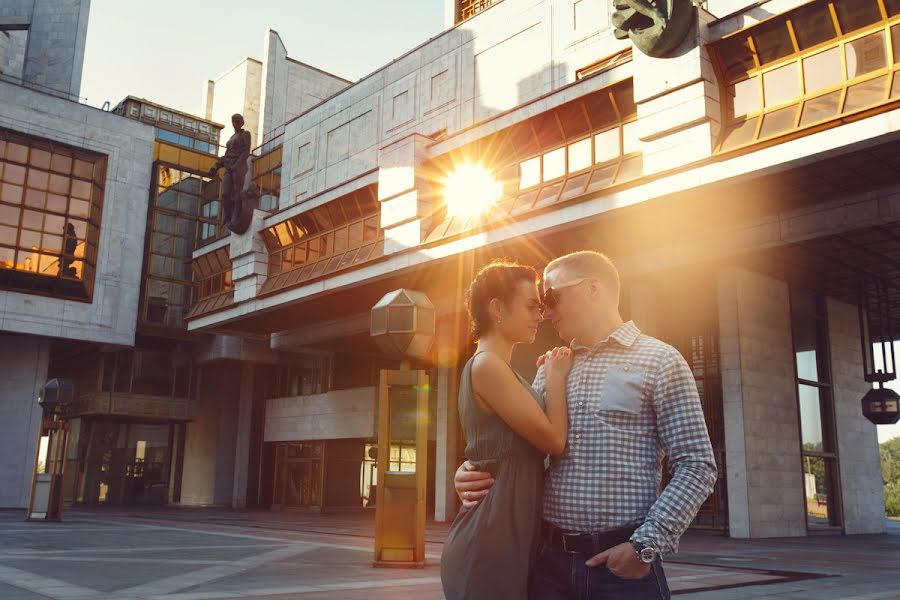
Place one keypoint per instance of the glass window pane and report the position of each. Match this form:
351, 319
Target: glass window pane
817, 483
32, 219
81, 189
606, 145
38, 179
79, 208
29, 240
778, 122
11, 193
14, 174
9, 215
865, 55
7, 258
736, 57
856, 14
895, 41
580, 155
744, 97
893, 7
40, 158
59, 184
35, 198
820, 108
554, 164
811, 423
867, 93
54, 224
83, 169
52, 243
57, 203
782, 84
773, 41
740, 134
8, 235
813, 25
61, 164
530, 172
17, 152
822, 70
631, 168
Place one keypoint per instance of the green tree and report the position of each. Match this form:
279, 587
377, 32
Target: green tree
890, 474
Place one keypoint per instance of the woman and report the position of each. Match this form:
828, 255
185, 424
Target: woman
509, 429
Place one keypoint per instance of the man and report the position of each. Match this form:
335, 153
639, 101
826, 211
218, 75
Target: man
237, 150
631, 399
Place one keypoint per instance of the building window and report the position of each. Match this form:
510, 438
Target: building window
817, 432
469, 8
172, 229
51, 202
328, 238
267, 177
816, 64
563, 154
213, 289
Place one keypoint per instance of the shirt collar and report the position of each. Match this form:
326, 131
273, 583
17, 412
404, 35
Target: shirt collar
625, 335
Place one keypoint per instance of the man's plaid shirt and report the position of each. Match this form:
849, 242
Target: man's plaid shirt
632, 399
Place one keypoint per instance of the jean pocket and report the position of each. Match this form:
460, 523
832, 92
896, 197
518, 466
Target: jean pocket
623, 389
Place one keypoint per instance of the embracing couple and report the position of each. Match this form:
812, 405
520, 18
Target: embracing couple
606, 408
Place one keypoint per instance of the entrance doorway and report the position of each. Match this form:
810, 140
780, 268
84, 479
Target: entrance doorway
689, 321
123, 463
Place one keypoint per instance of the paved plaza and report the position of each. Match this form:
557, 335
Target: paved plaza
181, 554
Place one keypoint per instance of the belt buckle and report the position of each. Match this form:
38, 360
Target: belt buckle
565, 541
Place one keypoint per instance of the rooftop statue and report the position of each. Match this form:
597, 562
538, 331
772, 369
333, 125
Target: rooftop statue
238, 191
656, 27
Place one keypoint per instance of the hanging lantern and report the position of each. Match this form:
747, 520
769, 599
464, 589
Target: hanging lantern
880, 405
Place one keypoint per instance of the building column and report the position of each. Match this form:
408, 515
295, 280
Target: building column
677, 100
762, 439
25, 361
249, 259
402, 191
242, 443
859, 461
447, 420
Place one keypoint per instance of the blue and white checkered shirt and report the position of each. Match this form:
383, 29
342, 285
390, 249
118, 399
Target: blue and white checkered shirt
632, 399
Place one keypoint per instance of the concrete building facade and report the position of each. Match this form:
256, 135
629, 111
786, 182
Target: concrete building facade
743, 184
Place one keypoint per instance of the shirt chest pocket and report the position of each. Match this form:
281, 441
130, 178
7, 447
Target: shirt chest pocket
622, 390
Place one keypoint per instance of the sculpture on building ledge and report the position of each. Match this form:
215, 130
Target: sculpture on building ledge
239, 193
656, 27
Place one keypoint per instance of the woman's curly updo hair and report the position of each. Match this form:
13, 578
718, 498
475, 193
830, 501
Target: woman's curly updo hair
495, 280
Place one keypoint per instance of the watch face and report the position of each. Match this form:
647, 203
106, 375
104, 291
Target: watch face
648, 555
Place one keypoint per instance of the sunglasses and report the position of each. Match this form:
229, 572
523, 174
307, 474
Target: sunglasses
550, 298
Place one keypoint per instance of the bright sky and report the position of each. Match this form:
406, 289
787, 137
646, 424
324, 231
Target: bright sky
166, 50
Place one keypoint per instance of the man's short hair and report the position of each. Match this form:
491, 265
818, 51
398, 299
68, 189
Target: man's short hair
588, 263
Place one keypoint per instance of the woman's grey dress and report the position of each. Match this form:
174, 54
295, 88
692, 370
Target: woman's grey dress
490, 548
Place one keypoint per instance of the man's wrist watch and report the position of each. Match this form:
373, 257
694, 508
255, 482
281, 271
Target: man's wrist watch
646, 554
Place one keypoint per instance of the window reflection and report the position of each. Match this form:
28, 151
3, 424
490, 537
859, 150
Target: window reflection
46, 199
854, 54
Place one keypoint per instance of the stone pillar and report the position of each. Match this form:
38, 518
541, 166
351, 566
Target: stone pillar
25, 360
677, 102
762, 439
447, 420
405, 208
54, 56
242, 445
862, 489
249, 260
208, 475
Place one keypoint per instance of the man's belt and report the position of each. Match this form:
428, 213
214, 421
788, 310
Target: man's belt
577, 542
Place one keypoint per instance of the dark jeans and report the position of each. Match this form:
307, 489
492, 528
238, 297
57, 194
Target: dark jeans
559, 575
